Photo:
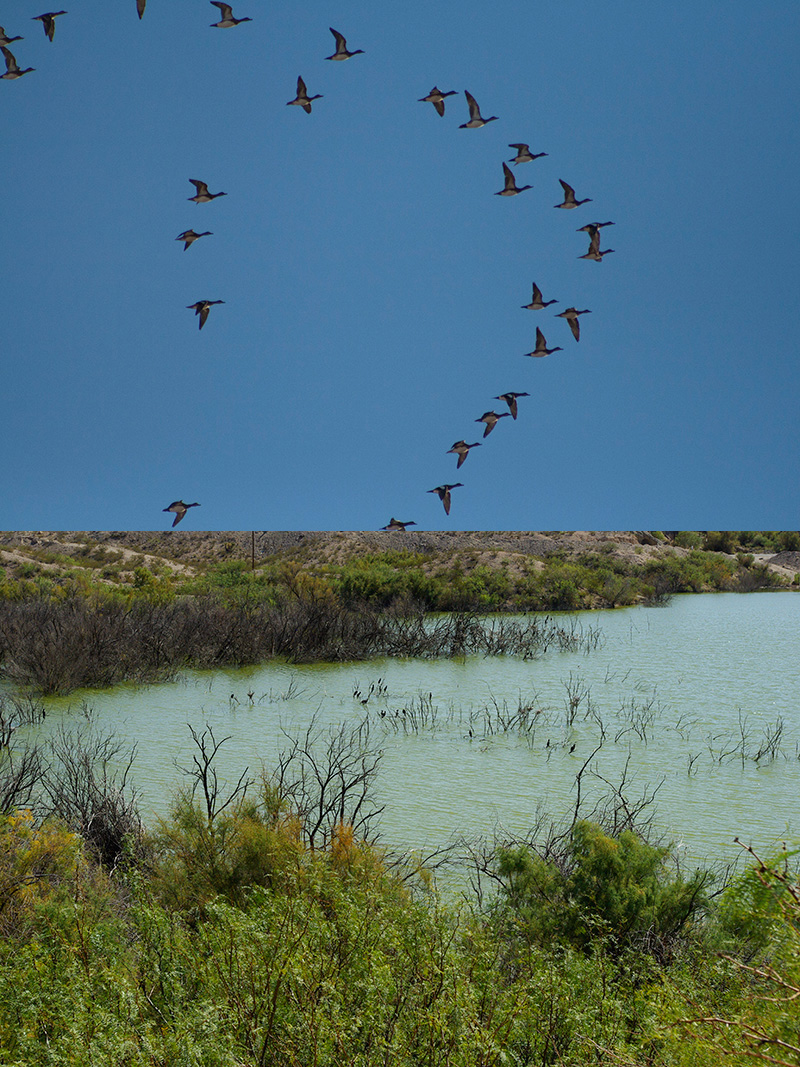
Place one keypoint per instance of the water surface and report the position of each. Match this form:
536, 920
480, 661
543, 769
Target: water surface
686, 696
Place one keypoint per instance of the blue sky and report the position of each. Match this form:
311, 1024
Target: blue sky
372, 281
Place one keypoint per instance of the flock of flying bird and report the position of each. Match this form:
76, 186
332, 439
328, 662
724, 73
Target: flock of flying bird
436, 97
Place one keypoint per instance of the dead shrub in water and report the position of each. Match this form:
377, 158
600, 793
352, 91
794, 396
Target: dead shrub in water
57, 647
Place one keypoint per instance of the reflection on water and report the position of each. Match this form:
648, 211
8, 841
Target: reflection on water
697, 700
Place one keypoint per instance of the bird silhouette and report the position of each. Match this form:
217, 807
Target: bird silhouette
5, 39
436, 97
593, 228
541, 346
202, 196
189, 236
511, 188
13, 69
302, 99
524, 154
48, 22
511, 400
571, 315
227, 19
443, 492
341, 52
395, 526
491, 418
201, 308
476, 120
537, 302
461, 448
569, 197
180, 510
594, 252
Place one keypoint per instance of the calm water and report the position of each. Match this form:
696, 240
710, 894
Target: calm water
687, 694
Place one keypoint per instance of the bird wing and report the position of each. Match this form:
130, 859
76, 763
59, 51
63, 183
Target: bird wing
201, 187
537, 294
575, 326
474, 110
341, 43
510, 183
569, 192
301, 87
439, 105
226, 10
202, 311
140, 5
11, 63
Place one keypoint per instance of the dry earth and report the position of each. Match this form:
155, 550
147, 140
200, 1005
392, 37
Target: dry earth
183, 550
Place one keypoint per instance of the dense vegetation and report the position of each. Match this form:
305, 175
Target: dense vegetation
263, 925
100, 616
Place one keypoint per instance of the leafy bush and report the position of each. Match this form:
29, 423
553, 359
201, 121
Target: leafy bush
603, 888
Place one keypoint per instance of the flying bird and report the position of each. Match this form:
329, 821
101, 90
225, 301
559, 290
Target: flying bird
5, 39
537, 303
524, 154
189, 236
395, 526
436, 97
462, 450
476, 120
541, 346
511, 400
227, 19
594, 252
569, 197
180, 510
202, 196
341, 52
201, 308
593, 228
491, 418
13, 69
510, 188
302, 99
443, 492
571, 315
140, 6
48, 21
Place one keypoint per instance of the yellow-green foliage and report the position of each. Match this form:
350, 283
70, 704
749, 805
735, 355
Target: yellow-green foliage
36, 862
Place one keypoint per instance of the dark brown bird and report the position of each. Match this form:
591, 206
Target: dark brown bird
461, 448
443, 492
202, 196
302, 99
5, 39
491, 418
541, 346
524, 154
571, 315
189, 236
511, 188
48, 21
537, 302
13, 70
180, 510
341, 52
511, 400
201, 308
227, 20
395, 526
476, 120
436, 97
569, 197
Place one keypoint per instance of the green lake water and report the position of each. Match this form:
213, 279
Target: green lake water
686, 696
